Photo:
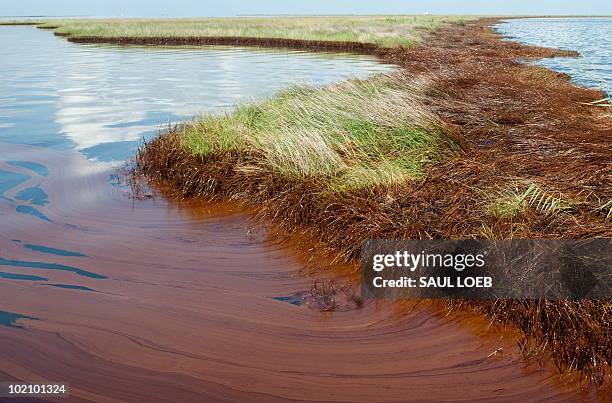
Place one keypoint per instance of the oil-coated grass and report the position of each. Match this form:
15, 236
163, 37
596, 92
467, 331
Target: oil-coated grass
516, 124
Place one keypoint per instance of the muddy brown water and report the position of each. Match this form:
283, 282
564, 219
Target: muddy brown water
182, 302
159, 300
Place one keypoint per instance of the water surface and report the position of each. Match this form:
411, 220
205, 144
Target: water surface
102, 100
591, 37
170, 300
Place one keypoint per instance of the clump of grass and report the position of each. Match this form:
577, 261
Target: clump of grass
604, 103
538, 74
325, 296
351, 135
385, 31
607, 208
385, 173
514, 202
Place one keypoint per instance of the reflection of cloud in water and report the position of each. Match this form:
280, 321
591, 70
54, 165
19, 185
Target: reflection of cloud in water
88, 127
114, 105
100, 99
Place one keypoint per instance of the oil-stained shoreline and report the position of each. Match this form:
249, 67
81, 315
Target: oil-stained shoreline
506, 117
418, 66
196, 304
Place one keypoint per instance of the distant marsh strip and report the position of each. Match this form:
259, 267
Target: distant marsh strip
386, 31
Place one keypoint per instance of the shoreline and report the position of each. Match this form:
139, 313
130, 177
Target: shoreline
444, 204
300, 207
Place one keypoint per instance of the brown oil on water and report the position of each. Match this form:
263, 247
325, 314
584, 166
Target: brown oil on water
154, 300
150, 300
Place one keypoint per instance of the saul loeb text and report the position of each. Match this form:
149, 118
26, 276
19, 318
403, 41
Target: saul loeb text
486, 269
410, 262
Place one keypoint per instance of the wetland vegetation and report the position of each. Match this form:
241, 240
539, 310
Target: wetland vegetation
464, 142
385, 31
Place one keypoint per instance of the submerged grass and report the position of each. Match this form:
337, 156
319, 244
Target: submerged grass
386, 31
351, 135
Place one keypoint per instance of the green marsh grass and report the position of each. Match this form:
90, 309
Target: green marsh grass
513, 202
386, 31
349, 135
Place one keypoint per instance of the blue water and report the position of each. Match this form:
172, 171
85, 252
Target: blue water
34, 195
71, 287
9, 319
102, 100
592, 37
25, 277
32, 166
52, 251
9, 180
291, 299
29, 210
49, 266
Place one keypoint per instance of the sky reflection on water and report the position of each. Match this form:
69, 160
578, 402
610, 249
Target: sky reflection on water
102, 100
592, 37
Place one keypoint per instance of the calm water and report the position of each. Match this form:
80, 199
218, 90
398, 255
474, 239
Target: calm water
592, 37
170, 300
102, 100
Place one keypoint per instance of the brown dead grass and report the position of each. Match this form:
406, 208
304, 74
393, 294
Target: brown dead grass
516, 124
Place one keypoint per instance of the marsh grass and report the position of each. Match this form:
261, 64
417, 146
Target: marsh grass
337, 164
577, 332
350, 135
386, 31
510, 203
607, 208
